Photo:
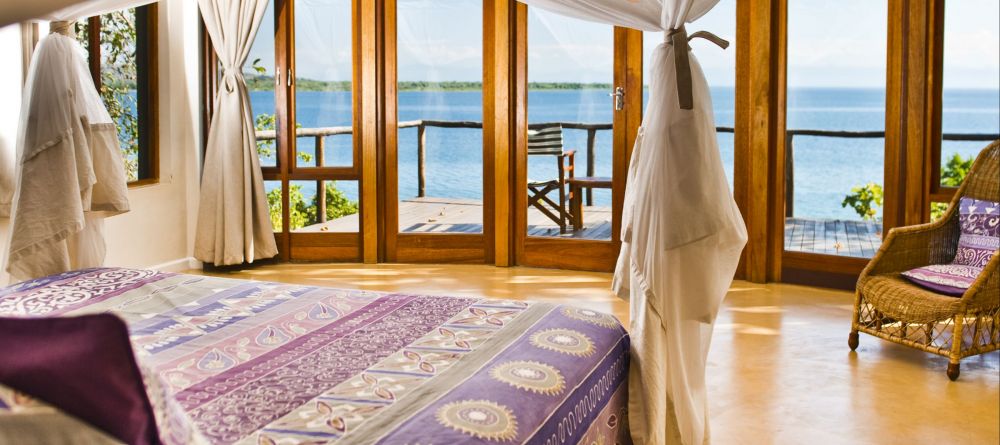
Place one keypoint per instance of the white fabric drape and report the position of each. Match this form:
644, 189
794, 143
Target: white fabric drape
233, 221
682, 232
69, 168
90, 8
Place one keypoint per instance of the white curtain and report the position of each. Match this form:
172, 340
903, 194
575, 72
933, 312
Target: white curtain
682, 232
234, 225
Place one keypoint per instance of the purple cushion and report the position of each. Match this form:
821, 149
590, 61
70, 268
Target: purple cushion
949, 279
83, 366
977, 243
980, 238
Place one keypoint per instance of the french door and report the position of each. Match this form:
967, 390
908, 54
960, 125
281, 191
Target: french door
305, 74
396, 131
578, 90
436, 190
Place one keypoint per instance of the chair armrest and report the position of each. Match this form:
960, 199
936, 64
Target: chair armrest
985, 291
913, 246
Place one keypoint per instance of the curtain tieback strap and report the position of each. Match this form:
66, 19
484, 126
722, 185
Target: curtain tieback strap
678, 38
229, 79
62, 27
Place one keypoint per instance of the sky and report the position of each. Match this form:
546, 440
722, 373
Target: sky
830, 43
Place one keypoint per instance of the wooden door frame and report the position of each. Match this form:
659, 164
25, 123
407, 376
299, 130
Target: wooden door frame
574, 254
439, 247
351, 246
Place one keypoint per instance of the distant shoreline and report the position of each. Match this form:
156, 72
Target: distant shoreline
266, 83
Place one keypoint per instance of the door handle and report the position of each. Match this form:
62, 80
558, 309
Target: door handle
619, 98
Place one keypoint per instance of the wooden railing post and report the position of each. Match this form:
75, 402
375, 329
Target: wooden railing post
321, 184
591, 144
789, 175
421, 153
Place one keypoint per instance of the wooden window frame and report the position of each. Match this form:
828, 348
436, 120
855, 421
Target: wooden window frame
147, 87
912, 136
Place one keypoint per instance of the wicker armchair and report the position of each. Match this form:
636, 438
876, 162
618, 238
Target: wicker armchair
890, 307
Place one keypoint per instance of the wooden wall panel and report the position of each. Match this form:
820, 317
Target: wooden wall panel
759, 129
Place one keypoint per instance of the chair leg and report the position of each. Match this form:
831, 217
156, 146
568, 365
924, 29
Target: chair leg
852, 339
953, 371
576, 207
956, 348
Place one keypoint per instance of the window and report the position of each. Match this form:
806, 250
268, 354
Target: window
121, 48
970, 96
835, 146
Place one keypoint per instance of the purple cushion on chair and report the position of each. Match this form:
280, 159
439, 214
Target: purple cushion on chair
977, 243
83, 366
949, 279
980, 238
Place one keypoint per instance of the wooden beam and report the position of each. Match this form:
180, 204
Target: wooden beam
367, 118
912, 126
498, 17
759, 140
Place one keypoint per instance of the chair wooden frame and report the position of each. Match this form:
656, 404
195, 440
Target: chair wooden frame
889, 307
538, 191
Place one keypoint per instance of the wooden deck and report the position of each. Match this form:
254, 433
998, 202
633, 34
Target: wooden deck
452, 215
833, 237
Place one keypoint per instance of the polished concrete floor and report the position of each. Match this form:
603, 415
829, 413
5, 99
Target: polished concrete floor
780, 371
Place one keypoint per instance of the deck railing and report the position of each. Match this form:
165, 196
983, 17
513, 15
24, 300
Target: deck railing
790, 152
591, 128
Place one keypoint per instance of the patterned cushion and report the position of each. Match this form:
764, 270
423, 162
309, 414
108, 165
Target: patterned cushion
948, 279
980, 222
978, 242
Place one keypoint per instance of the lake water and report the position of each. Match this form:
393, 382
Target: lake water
825, 168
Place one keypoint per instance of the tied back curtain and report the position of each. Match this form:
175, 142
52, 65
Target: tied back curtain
682, 232
233, 221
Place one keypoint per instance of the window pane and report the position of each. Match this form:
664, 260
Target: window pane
259, 73
323, 65
337, 212
570, 74
439, 72
719, 67
971, 82
119, 78
836, 82
273, 191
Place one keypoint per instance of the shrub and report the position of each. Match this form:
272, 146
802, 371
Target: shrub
865, 200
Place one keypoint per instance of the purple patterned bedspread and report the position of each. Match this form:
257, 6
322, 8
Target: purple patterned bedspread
233, 361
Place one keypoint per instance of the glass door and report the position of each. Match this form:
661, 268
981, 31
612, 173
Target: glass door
834, 150
580, 89
433, 171
301, 80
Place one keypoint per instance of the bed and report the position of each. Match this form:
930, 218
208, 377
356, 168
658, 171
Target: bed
234, 361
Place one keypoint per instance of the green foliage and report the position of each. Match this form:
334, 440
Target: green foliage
118, 79
337, 204
303, 213
865, 200
952, 175
955, 170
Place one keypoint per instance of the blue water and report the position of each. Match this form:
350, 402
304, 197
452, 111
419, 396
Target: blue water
825, 168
